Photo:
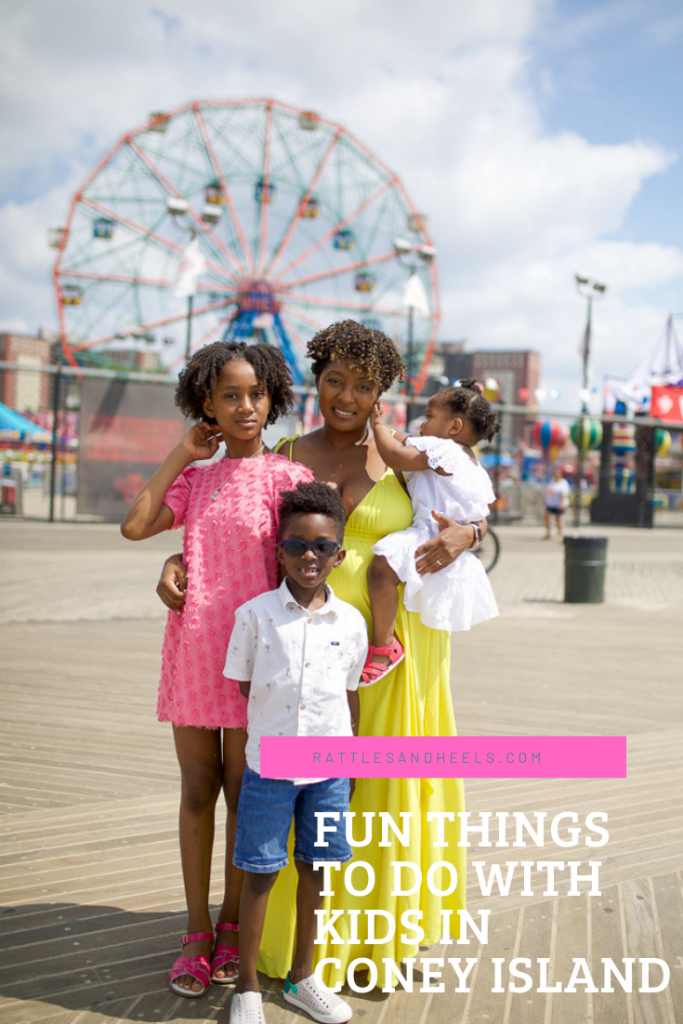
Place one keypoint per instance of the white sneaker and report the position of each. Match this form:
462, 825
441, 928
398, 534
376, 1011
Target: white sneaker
247, 1008
317, 1000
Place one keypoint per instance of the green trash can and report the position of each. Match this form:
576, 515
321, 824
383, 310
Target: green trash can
585, 562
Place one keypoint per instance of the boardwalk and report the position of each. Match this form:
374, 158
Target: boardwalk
92, 904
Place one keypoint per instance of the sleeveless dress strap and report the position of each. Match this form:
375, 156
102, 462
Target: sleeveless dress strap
281, 444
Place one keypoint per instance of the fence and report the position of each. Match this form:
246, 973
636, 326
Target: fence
47, 482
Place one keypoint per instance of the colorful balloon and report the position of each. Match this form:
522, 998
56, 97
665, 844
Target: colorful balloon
662, 441
551, 436
491, 389
592, 433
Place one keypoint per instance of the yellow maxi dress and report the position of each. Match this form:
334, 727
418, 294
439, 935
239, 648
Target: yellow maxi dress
413, 700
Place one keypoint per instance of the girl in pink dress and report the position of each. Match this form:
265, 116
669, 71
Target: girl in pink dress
229, 511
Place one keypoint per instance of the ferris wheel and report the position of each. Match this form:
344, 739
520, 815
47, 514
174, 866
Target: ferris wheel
297, 225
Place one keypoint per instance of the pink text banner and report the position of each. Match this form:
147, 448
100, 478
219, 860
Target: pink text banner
482, 757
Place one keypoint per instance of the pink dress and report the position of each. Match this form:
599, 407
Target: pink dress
229, 511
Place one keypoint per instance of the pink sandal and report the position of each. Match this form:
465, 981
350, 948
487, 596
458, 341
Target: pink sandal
224, 955
196, 967
372, 671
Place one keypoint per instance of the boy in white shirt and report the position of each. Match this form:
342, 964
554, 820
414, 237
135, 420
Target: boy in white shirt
297, 653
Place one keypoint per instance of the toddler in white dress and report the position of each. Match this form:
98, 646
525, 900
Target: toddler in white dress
442, 475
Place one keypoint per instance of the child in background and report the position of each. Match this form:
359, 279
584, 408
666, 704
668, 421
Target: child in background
556, 496
297, 652
229, 511
443, 478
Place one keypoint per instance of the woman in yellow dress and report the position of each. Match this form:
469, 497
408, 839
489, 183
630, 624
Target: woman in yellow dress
353, 365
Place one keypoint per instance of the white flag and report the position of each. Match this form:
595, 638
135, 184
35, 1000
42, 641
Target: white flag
416, 296
192, 266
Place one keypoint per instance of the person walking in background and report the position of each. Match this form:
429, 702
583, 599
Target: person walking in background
556, 497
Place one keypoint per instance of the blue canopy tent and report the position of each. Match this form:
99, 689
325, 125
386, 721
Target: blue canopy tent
13, 422
491, 459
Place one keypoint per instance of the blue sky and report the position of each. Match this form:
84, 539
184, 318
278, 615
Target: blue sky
610, 72
542, 138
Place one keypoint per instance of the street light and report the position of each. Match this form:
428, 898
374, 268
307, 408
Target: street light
177, 208
590, 290
412, 256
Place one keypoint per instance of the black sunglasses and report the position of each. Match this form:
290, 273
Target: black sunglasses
297, 548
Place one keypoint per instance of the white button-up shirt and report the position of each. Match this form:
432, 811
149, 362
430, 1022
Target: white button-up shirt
300, 664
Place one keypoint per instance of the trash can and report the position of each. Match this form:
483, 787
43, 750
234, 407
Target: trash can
585, 562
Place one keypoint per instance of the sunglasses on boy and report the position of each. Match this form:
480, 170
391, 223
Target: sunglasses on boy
321, 548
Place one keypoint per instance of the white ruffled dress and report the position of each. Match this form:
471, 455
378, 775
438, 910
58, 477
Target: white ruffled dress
460, 595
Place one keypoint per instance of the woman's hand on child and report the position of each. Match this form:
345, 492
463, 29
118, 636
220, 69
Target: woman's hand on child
201, 441
173, 583
452, 540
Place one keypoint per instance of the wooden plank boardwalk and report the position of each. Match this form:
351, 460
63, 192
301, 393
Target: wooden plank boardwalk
92, 903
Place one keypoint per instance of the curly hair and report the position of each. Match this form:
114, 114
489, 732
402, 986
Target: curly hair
466, 398
361, 348
313, 499
201, 374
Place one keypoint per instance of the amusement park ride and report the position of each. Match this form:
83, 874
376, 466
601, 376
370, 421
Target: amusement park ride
295, 220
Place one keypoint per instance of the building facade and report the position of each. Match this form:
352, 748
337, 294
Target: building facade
27, 391
517, 372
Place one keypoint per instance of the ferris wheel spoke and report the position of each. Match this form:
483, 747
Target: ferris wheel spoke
291, 227
144, 232
344, 222
133, 225
90, 275
218, 171
287, 324
265, 191
332, 303
171, 190
303, 318
337, 271
214, 330
149, 326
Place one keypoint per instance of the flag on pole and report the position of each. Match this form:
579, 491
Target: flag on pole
192, 266
415, 295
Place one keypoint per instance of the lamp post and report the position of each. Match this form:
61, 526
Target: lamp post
188, 275
590, 290
412, 256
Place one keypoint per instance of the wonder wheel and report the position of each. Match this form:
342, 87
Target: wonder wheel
295, 222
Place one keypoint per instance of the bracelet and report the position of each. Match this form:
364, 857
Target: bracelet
477, 536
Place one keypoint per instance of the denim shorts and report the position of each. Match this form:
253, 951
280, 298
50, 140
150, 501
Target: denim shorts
264, 821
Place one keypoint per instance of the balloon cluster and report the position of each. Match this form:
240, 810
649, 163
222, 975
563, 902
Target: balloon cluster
586, 432
551, 436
